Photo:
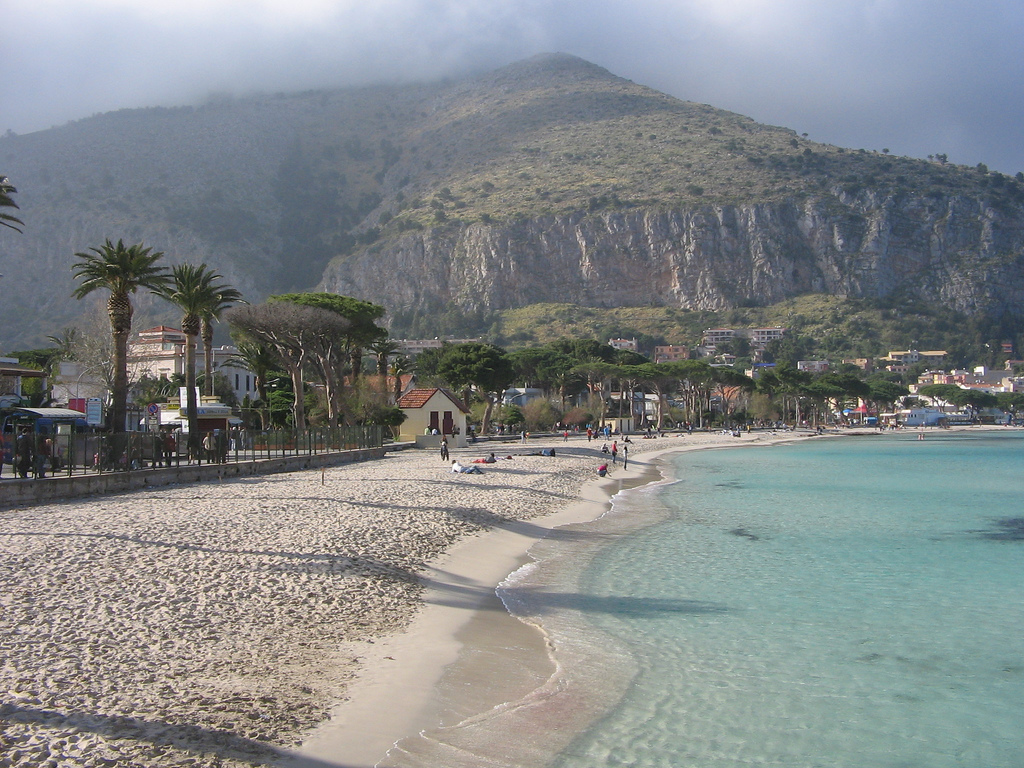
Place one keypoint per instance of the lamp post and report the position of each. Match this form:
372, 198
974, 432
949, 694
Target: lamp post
78, 381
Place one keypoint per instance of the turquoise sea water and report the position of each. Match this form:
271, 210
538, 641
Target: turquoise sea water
848, 603
854, 602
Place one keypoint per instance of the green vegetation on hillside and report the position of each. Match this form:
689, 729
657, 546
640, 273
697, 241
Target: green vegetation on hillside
825, 327
533, 147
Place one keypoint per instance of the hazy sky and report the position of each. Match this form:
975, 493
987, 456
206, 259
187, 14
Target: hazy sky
917, 77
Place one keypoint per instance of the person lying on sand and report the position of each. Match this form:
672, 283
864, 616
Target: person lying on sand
492, 459
458, 469
541, 452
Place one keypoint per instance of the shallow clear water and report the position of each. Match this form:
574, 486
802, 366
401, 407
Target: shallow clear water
847, 602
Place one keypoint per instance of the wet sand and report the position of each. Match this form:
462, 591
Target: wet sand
465, 654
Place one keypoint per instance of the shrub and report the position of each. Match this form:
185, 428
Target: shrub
540, 415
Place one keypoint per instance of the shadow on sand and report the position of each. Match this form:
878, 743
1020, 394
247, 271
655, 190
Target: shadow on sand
188, 738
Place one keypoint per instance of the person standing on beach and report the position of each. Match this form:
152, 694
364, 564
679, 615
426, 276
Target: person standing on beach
444, 448
23, 453
615, 452
42, 457
625, 454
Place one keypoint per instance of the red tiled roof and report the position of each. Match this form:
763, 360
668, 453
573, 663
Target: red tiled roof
417, 398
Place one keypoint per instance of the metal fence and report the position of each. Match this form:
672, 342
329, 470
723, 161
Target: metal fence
43, 455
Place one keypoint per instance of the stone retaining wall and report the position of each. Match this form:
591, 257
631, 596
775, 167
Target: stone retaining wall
17, 491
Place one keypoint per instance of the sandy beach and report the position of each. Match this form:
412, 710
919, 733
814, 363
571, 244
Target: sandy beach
296, 619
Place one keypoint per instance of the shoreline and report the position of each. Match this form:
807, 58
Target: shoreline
461, 594
365, 728
221, 624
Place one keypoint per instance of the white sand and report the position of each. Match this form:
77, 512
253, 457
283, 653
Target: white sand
219, 624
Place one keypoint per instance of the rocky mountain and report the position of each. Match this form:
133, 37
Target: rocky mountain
550, 180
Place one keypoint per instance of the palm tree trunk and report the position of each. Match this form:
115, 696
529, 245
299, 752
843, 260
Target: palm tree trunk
207, 335
119, 391
191, 404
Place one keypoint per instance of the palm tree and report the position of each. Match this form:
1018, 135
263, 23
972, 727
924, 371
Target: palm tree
192, 289
383, 349
67, 343
6, 201
218, 304
400, 366
122, 270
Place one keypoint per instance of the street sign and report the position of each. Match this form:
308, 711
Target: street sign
152, 409
94, 411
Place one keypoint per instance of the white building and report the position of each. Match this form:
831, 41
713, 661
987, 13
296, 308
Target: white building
160, 353
627, 344
812, 366
413, 347
76, 382
714, 336
761, 337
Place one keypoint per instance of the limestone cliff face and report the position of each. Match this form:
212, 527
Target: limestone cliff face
953, 250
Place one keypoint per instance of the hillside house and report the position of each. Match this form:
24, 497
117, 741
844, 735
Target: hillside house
762, 337
714, 336
629, 345
812, 366
670, 353
413, 347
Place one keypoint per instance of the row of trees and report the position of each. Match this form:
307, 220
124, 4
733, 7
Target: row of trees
194, 289
306, 335
609, 381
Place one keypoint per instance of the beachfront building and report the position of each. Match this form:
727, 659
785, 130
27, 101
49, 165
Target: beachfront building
427, 410
76, 382
520, 396
160, 353
12, 375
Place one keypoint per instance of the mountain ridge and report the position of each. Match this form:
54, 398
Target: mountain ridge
470, 191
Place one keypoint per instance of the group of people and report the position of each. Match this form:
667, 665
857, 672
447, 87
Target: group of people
614, 451
472, 468
33, 455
